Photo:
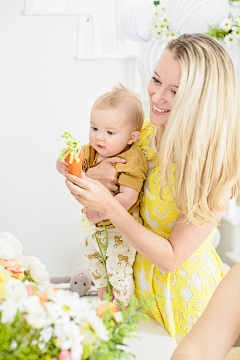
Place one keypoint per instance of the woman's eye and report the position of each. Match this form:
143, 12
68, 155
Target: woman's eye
156, 80
174, 92
110, 133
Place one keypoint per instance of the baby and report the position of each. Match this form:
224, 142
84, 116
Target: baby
115, 126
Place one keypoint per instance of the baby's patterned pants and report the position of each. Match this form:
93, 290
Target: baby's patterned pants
120, 259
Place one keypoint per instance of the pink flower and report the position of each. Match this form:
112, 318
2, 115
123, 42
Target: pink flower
29, 289
11, 265
65, 355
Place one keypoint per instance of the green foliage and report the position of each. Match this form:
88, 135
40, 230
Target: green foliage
19, 342
115, 348
156, 3
216, 32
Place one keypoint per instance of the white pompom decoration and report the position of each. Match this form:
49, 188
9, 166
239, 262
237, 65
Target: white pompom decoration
147, 58
135, 20
234, 8
191, 16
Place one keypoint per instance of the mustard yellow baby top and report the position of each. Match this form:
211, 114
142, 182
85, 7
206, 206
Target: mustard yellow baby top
188, 289
131, 174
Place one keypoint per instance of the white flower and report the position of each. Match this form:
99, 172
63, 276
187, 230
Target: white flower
13, 345
36, 321
55, 311
46, 334
69, 337
10, 246
236, 32
37, 316
86, 225
165, 36
98, 326
118, 316
37, 269
15, 289
230, 39
76, 351
226, 24
236, 20
9, 310
68, 301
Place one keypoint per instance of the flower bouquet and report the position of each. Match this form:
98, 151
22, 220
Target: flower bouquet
57, 324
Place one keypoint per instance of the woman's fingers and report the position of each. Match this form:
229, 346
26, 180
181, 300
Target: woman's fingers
83, 183
115, 160
91, 193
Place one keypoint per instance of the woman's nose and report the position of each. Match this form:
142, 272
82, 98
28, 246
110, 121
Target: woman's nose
159, 96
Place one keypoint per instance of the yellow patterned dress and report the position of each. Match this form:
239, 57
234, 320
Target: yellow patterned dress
188, 289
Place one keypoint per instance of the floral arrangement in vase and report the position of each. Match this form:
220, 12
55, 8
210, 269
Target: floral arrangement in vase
57, 324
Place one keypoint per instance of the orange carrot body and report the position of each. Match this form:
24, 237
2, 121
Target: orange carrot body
75, 168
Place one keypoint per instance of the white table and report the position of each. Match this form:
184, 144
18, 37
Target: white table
154, 344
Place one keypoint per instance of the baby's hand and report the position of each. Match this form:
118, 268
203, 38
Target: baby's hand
62, 167
92, 215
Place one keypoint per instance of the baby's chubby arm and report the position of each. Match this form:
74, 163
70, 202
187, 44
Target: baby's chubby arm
127, 197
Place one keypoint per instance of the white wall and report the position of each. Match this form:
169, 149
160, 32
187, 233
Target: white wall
44, 91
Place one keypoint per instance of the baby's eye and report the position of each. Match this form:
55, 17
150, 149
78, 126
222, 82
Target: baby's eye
156, 80
110, 133
94, 128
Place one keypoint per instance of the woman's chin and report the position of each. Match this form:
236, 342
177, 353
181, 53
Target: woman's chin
158, 120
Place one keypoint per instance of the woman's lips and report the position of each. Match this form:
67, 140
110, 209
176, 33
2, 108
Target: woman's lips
159, 111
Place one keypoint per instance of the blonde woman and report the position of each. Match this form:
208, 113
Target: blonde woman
191, 142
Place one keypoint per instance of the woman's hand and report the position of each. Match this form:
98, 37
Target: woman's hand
91, 193
62, 167
105, 172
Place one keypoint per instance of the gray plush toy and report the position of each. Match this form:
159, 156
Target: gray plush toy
80, 281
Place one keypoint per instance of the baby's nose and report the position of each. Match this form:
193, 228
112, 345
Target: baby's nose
100, 137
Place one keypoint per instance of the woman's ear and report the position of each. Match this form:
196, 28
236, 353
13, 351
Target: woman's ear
134, 137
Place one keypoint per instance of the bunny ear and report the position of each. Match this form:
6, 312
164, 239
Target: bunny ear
59, 279
191, 16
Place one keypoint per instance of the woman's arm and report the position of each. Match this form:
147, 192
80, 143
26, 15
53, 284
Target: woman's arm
218, 328
169, 254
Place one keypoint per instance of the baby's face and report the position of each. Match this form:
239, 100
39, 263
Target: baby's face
110, 131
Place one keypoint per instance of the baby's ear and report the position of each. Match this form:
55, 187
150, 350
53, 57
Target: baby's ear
134, 137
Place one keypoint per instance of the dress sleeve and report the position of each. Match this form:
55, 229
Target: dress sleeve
146, 139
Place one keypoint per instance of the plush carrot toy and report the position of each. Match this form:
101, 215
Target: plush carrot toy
73, 154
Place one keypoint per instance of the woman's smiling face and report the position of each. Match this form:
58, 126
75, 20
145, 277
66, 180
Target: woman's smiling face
163, 87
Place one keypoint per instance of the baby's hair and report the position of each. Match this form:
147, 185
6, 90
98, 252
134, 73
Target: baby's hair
121, 98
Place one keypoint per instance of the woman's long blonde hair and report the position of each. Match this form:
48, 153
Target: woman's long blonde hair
203, 129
